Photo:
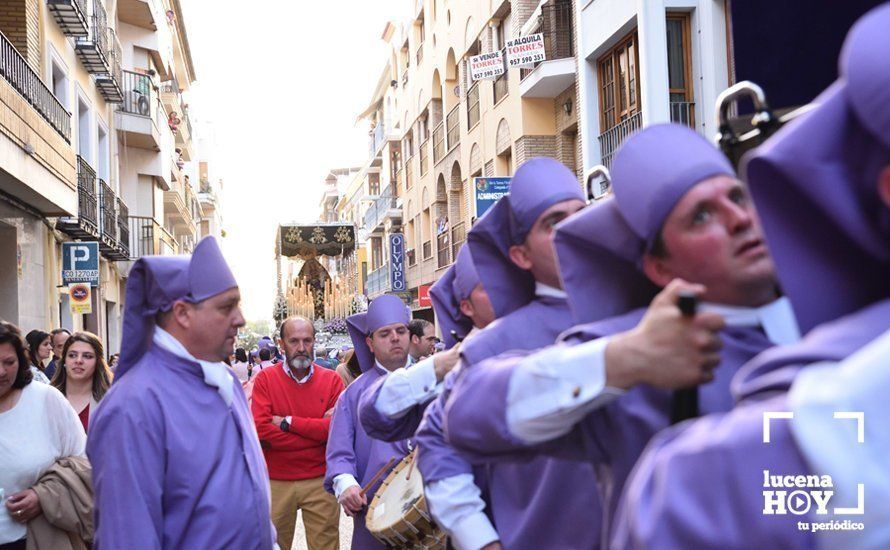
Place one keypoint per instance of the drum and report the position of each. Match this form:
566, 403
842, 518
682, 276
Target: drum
398, 515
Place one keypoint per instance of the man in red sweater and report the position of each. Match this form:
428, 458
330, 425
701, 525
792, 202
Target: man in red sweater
292, 406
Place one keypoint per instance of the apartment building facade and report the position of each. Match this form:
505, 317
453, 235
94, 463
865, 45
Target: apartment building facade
64, 152
433, 129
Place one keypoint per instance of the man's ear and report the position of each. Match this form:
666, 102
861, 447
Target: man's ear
519, 255
181, 314
466, 307
368, 341
884, 186
657, 270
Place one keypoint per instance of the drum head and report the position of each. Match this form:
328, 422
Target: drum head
395, 498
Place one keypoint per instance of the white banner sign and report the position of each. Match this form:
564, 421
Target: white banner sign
487, 65
526, 50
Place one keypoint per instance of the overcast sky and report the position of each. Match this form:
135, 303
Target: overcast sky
282, 83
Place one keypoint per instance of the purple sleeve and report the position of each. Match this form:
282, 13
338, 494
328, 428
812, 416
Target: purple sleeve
378, 425
127, 452
340, 453
436, 459
475, 417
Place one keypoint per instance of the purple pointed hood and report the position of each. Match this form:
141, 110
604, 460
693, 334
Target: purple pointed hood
156, 282
537, 185
384, 310
455, 285
599, 249
815, 186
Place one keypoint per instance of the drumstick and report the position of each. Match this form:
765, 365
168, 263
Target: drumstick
684, 404
411, 466
377, 476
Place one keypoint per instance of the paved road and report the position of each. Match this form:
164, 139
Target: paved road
345, 533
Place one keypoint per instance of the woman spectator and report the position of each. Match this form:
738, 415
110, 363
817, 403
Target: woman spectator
349, 369
37, 428
240, 366
40, 347
84, 377
112, 361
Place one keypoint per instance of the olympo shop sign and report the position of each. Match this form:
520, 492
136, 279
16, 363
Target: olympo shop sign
487, 65
526, 50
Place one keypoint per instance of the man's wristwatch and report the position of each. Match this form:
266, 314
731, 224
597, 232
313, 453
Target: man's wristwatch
285, 426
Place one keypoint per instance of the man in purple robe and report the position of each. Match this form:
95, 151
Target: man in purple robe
540, 503
380, 337
393, 406
176, 458
679, 214
822, 186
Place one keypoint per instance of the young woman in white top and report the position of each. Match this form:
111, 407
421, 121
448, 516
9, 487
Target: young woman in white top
37, 428
84, 376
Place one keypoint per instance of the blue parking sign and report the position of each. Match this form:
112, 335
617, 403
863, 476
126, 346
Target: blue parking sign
80, 263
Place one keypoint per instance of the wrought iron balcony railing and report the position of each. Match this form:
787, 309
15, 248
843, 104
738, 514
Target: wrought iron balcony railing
70, 15
555, 23
473, 105
149, 238
683, 112
123, 227
22, 77
140, 97
92, 49
439, 142
611, 139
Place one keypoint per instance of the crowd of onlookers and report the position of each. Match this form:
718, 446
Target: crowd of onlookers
51, 383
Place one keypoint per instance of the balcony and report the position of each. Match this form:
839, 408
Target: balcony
149, 238
501, 87
424, 157
409, 173
611, 139
439, 142
178, 209
405, 78
137, 12
123, 227
452, 127
92, 49
385, 207
376, 139
419, 55
473, 106
110, 84
141, 108
458, 236
22, 77
551, 77
378, 281
110, 244
683, 112
443, 259
86, 224
70, 15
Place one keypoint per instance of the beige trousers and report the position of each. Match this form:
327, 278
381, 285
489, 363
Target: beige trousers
321, 513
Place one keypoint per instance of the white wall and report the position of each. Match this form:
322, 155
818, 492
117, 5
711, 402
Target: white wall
603, 22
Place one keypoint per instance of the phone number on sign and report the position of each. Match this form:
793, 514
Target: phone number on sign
488, 73
527, 59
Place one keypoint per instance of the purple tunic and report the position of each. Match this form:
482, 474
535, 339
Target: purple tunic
380, 426
352, 451
173, 466
538, 502
613, 437
727, 450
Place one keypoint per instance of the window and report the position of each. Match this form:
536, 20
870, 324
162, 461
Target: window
60, 83
103, 167
679, 69
619, 80
374, 183
84, 133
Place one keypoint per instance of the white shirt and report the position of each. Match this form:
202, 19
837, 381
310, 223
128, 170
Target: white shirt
542, 290
39, 430
215, 374
405, 388
553, 389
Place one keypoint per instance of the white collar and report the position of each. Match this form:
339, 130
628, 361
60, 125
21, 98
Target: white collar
542, 290
775, 318
293, 376
215, 374
384, 370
